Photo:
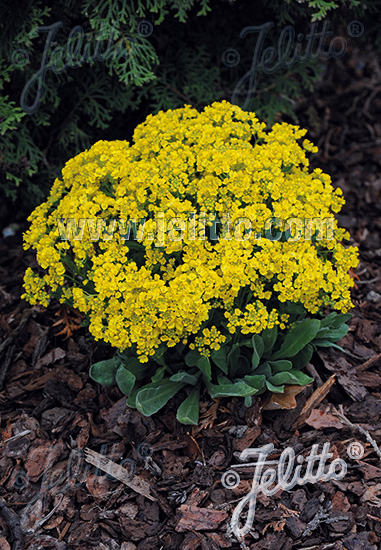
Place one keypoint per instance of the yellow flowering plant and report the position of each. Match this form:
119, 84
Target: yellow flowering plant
207, 253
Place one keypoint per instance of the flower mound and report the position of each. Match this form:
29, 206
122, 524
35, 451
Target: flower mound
188, 279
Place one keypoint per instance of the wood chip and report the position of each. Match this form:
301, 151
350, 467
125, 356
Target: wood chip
193, 518
4, 544
371, 495
191, 541
136, 483
346, 375
51, 357
369, 379
196, 497
41, 458
319, 419
369, 363
247, 439
39, 383
369, 471
315, 399
14, 525
284, 400
220, 540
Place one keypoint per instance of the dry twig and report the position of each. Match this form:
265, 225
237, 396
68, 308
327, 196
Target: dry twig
135, 483
360, 429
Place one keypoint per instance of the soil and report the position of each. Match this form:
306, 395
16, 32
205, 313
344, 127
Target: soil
63, 436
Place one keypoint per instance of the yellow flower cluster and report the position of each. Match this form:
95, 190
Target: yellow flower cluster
211, 339
253, 319
138, 294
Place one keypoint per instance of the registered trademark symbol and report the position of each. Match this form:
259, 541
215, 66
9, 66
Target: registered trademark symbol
355, 450
230, 479
355, 28
145, 28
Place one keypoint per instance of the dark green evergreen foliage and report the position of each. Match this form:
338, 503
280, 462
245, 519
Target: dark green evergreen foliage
179, 62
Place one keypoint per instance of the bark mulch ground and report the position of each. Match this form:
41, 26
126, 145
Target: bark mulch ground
65, 440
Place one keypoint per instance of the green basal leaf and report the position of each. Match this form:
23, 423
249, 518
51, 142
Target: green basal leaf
248, 401
159, 355
280, 366
303, 379
258, 344
151, 400
257, 381
241, 367
159, 374
246, 343
233, 356
237, 389
290, 377
296, 338
333, 334
296, 309
282, 378
328, 319
274, 389
219, 358
301, 359
323, 332
180, 348
205, 367
125, 380
185, 377
335, 321
223, 379
269, 337
256, 357
327, 344
138, 369
264, 369
192, 357
322, 343
337, 334
337, 347
341, 319
131, 400
188, 411
104, 372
